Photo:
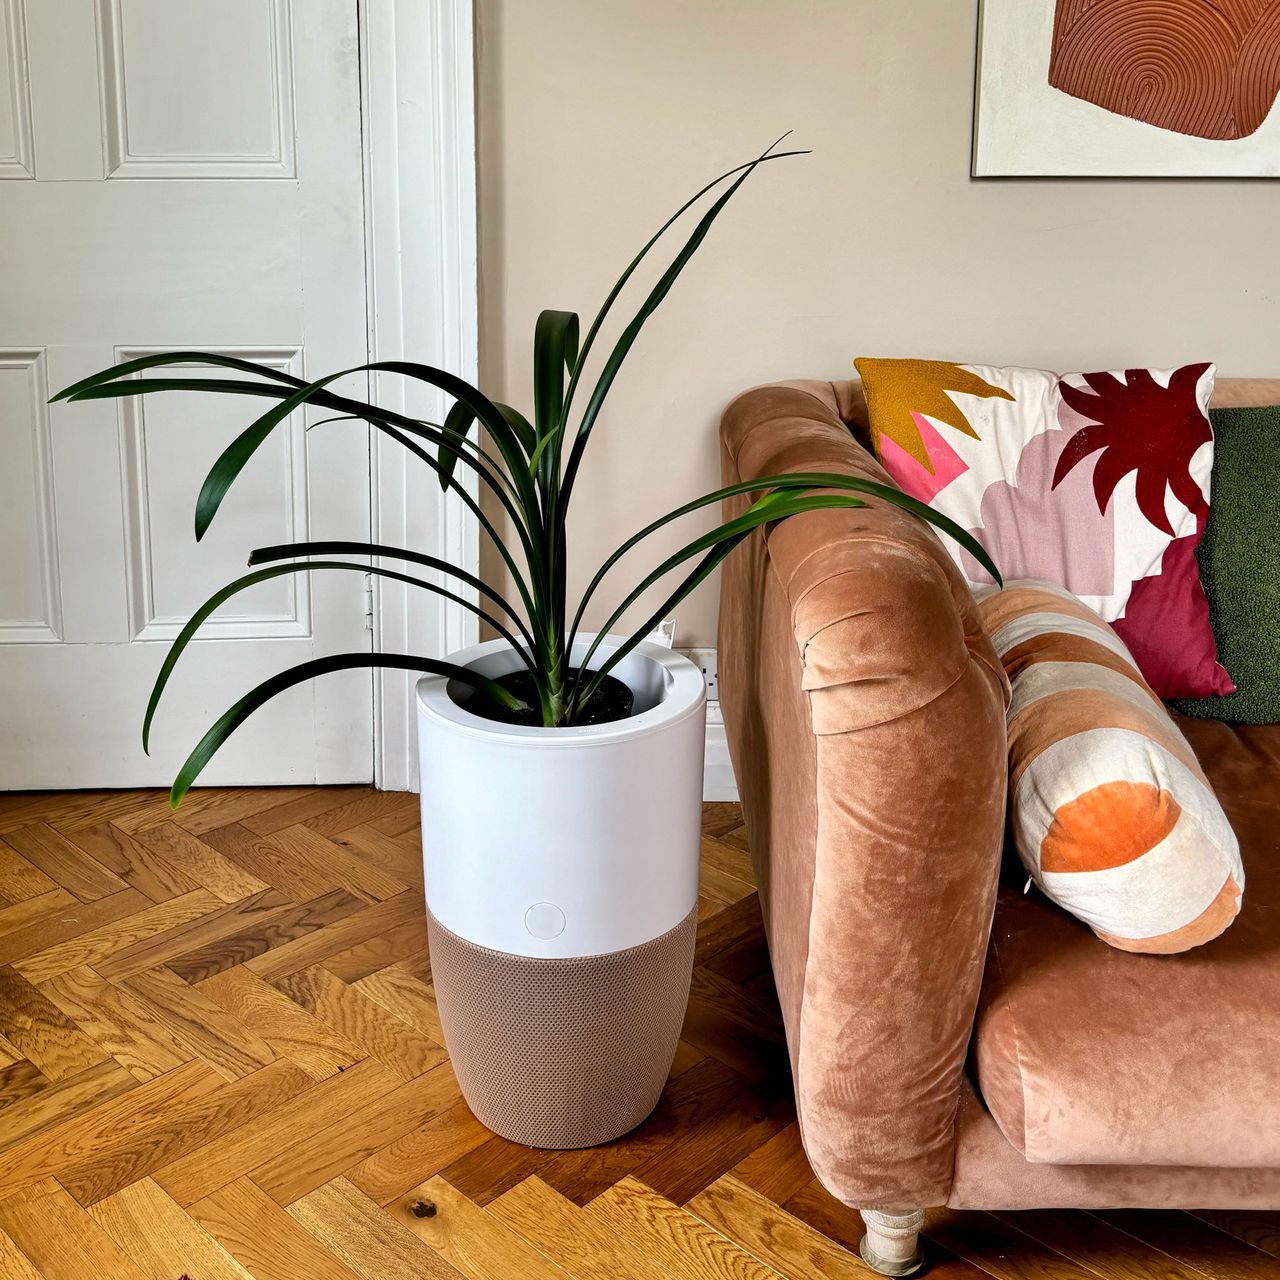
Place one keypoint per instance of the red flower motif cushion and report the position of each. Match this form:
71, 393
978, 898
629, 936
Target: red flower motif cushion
1096, 481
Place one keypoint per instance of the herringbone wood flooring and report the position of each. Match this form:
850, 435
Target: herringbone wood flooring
220, 1058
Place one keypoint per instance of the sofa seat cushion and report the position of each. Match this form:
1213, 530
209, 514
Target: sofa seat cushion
1090, 1055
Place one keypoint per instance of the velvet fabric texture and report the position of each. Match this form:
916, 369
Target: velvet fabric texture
865, 709
1089, 1055
1239, 558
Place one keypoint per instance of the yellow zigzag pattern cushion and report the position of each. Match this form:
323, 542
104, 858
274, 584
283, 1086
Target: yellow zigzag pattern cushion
1111, 813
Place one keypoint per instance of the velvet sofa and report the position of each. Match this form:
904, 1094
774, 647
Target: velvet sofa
952, 1040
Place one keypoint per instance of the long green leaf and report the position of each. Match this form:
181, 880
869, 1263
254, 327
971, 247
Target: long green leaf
236, 455
116, 371
284, 551
607, 305
144, 386
457, 423
705, 567
239, 712
624, 344
792, 480
773, 506
555, 350
243, 583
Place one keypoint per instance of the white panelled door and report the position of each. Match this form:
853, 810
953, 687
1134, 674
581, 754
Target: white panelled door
175, 174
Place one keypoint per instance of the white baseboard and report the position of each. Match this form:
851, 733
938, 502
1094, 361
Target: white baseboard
718, 782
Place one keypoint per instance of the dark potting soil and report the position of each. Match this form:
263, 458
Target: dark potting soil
611, 701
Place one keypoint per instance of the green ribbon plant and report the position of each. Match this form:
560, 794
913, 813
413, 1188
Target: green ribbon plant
530, 470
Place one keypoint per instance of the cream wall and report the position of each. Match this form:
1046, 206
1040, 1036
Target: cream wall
599, 117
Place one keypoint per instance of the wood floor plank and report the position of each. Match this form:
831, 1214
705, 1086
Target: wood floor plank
290, 1030
791, 1247
65, 864
235, 918
105, 1131
997, 1249
61, 1104
14, 1264
398, 945
61, 1240
215, 807
160, 1239
20, 879
317, 947
1194, 1242
139, 867
67, 920
778, 1169
71, 810
309, 1160
473, 1241
284, 926
319, 800
263, 1238
1261, 1230
561, 1230
683, 1244
200, 1121
292, 873
20, 1080
201, 1025
409, 998
41, 1032
96, 945
365, 1237
1097, 1246
361, 807
362, 1020
751, 1115
730, 1024
345, 868
421, 1153
324, 1107
400, 859
204, 864
122, 1025
18, 915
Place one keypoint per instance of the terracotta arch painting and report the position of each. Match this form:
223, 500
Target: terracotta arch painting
1129, 87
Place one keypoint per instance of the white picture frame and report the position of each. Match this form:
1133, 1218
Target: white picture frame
1024, 127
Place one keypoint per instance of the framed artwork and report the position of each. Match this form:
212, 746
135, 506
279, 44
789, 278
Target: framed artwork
1128, 88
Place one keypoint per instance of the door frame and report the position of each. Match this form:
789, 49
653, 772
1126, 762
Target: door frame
417, 74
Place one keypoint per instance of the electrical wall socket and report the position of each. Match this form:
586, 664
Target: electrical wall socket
705, 659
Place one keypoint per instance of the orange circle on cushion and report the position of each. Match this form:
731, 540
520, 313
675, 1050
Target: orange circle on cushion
1108, 826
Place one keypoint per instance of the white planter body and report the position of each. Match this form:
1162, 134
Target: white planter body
561, 875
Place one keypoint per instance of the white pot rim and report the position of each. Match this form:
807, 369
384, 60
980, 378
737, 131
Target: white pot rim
684, 696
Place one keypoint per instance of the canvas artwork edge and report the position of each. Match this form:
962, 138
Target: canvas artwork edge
1024, 126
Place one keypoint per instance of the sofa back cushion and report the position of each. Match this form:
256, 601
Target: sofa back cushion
1111, 814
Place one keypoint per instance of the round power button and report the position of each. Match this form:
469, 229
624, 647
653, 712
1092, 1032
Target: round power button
544, 920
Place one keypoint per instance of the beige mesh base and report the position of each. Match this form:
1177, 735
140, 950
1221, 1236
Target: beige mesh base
562, 1053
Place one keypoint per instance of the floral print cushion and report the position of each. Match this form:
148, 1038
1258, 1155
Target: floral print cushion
1096, 481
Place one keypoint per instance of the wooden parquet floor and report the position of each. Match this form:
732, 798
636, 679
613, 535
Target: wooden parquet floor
220, 1059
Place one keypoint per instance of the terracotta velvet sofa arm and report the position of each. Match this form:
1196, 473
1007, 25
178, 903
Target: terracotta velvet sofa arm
865, 714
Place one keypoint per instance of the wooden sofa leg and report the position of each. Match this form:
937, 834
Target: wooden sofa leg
891, 1245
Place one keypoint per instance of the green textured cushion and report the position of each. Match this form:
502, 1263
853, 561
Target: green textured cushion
1240, 565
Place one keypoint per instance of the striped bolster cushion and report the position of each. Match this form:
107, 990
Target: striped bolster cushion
1111, 813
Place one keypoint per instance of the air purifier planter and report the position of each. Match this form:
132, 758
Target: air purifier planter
561, 874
